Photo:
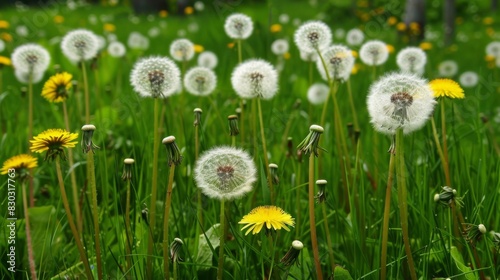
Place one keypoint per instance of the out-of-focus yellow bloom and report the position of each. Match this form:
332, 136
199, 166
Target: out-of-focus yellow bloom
414, 26
401, 26
286, 55
488, 20
490, 31
379, 10
4, 24
198, 48
425, 46
230, 45
362, 4
392, 20
188, 10
354, 53
390, 48
275, 28
163, 13
365, 17
109, 27
18, 163
459, 20
489, 58
453, 48
355, 69
6, 37
5, 61
58, 19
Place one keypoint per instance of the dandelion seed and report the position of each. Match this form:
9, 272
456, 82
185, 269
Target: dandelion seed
155, 77
182, 50
238, 26
355, 37
225, 173
412, 60
79, 45
207, 59
57, 87
31, 59
339, 62
53, 141
469, 79
269, 216
255, 78
116, 49
374, 53
318, 93
446, 88
448, 68
200, 81
400, 100
279, 47
313, 36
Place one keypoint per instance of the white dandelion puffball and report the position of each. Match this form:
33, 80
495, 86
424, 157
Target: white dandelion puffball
374, 53
208, 59
468, 79
101, 42
225, 173
339, 33
182, 50
24, 77
339, 62
284, 18
199, 6
313, 36
493, 49
354, 37
116, 49
279, 47
79, 45
255, 78
155, 77
400, 100
448, 68
30, 58
137, 41
308, 56
318, 93
200, 81
411, 59
238, 26
22, 31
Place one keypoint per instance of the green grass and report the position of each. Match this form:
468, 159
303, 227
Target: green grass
124, 124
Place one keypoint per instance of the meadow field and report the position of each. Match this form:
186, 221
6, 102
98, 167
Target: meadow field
249, 140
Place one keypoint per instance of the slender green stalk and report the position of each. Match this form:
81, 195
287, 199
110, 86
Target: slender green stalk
298, 195
95, 212
440, 151
328, 237
154, 186
74, 231
30, 134
128, 230
166, 216
403, 200
220, 267
199, 208
387, 211
272, 244
29, 243
86, 91
353, 108
240, 59
176, 270
312, 220
264, 147
450, 232
445, 145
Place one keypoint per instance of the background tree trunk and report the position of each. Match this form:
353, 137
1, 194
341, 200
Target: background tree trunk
415, 13
449, 22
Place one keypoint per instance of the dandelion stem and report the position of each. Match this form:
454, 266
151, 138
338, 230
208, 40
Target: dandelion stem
86, 91
312, 219
220, 267
128, 229
403, 200
31, 256
353, 108
387, 211
328, 237
297, 201
199, 209
440, 151
168, 202
238, 42
264, 146
79, 245
30, 133
95, 211
272, 243
445, 145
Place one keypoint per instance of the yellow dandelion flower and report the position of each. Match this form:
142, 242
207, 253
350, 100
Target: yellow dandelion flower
4, 24
446, 88
365, 17
230, 45
414, 26
490, 31
488, 20
57, 87
286, 55
392, 20
53, 141
363, 4
5, 61
198, 48
354, 53
275, 28
19, 163
163, 13
355, 69
58, 19
271, 216
6, 37
390, 48
188, 10
489, 58
401, 26
109, 27
425, 46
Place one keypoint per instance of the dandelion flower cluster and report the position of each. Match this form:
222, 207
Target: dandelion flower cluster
225, 173
116, 49
182, 50
446, 88
155, 77
79, 45
238, 26
374, 53
313, 36
208, 59
279, 47
272, 217
57, 87
411, 59
400, 100
355, 37
448, 68
19, 163
53, 141
339, 62
200, 81
255, 78
318, 93
468, 79
30, 59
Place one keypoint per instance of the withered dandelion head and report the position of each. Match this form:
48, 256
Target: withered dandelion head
57, 87
446, 88
271, 216
53, 141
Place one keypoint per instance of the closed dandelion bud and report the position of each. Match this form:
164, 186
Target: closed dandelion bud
354, 37
75, 85
273, 168
175, 248
173, 152
318, 93
233, 125
312, 36
448, 68
412, 60
238, 26
197, 116
321, 196
238, 112
279, 47
87, 133
57, 68
225, 173
289, 145
374, 53
30, 59
200, 81
127, 169
207, 59
474, 233
117, 49
292, 256
338, 62
469, 79
310, 144
80, 45
182, 50
447, 195
481, 228
155, 77
255, 78
400, 100
24, 90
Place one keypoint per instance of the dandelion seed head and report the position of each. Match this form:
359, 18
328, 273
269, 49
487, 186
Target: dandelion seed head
313, 36
448, 68
412, 60
374, 53
155, 77
354, 37
116, 49
24, 77
318, 93
339, 62
493, 49
469, 79
255, 78
138, 41
279, 47
238, 26
208, 59
30, 58
80, 45
200, 81
182, 50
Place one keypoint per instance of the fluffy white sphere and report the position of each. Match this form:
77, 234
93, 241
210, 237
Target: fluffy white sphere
238, 26
339, 62
30, 58
155, 77
374, 53
24, 77
468, 79
182, 50
411, 59
116, 49
200, 81
448, 68
79, 45
400, 100
318, 93
255, 78
308, 56
355, 37
208, 59
313, 36
493, 49
279, 47
137, 41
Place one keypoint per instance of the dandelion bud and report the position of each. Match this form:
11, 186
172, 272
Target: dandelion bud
481, 228
200, 81
297, 104
175, 248
474, 233
233, 125
321, 196
338, 62
207, 59
127, 169
155, 77
87, 144
79, 45
197, 116
57, 68
182, 50
374, 53
411, 59
173, 152
30, 59
273, 168
436, 197
238, 26
24, 90
311, 143
292, 255
312, 36
255, 78
238, 111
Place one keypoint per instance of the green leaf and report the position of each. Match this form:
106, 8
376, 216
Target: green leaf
459, 262
207, 243
341, 274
